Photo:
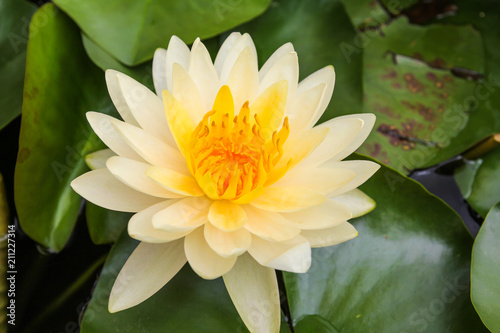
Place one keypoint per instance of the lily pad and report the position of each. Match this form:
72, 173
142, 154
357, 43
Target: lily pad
187, 303
407, 271
61, 85
105, 225
15, 16
485, 191
366, 13
465, 175
131, 30
485, 270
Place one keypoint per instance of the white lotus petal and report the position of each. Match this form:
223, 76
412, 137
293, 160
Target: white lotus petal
321, 180
244, 78
331, 236
101, 124
116, 95
286, 68
254, 292
203, 260
363, 170
133, 174
287, 199
282, 51
326, 75
368, 122
186, 92
160, 70
202, 71
152, 149
244, 42
302, 108
342, 132
103, 189
357, 202
97, 159
269, 225
328, 214
184, 215
177, 52
224, 50
141, 227
292, 256
146, 107
146, 271
227, 243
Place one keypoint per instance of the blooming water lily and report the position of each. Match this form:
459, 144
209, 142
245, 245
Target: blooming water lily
224, 170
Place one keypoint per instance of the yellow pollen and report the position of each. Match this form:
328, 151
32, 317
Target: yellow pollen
232, 160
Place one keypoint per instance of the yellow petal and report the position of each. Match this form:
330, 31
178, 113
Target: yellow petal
254, 292
269, 225
226, 215
302, 108
270, 107
175, 182
140, 226
227, 243
183, 215
331, 236
292, 256
244, 78
326, 215
356, 201
243, 42
287, 199
186, 92
146, 271
203, 260
180, 123
285, 68
177, 53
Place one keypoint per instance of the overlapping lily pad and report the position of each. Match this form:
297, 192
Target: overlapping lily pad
105, 225
131, 30
485, 271
15, 18
407, 271
61, 85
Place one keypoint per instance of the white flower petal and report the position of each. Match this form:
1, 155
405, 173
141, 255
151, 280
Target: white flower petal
103, 189
175, 182
363, 170
282, 51
146, 271
302, 108
328, 214
342, 132
133, 174
202, 71
368, 122
152, 149
331, 236
286, 68
101, 124
203, 260
226, 215
177, 53
244, 42
160, 71
146, 107
357, 202
141, 227
287, 199
269, 225
326, 76
186, 92
97, 159
116, 95
224, 51
292, 256
254, 292
321, 180
244, 78
227, 243
183, 215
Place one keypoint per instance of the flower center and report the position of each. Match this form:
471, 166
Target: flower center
229, 156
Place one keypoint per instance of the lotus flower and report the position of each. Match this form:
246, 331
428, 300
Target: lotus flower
224, 170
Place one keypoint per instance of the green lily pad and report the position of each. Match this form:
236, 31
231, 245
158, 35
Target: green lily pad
485, 191
485, 270
365, 13
318, 40
315, 324
15, 16
407, 271
105, 226
61, 85
131, 30
187, 303
465, 175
